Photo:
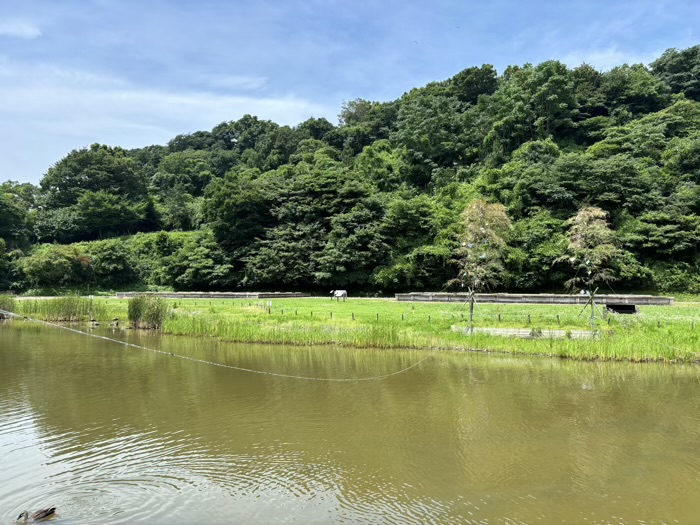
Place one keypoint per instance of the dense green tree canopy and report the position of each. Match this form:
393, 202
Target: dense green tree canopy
97, 168
377, 201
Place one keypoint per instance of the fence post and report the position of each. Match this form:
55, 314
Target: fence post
558, 321
377, 317
353, 316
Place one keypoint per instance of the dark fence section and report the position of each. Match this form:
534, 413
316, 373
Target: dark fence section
509, 298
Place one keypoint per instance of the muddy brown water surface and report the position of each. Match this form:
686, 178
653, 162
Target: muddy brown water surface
112, 434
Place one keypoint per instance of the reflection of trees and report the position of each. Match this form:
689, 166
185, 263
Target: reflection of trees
457, 424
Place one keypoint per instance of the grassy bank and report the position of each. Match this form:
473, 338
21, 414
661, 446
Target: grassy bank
667, 333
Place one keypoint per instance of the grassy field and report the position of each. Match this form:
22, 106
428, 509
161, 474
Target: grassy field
662, 333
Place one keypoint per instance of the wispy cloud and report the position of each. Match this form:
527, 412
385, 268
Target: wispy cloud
19, 28
237, 82
46, 111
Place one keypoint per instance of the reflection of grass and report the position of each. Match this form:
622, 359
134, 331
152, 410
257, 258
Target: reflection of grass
666, 333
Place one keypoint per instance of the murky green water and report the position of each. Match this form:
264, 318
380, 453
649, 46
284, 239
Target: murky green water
114, 434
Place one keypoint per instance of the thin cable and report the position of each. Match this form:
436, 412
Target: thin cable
221, 365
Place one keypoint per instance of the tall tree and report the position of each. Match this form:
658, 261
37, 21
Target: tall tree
470, 83
680, 70
98, 168
591, 251
482, 243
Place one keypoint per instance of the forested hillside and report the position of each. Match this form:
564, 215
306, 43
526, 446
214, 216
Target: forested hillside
375, 202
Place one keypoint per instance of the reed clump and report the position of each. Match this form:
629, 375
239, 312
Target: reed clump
62, 309
147, 311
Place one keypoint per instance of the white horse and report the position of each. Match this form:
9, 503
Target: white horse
338, 294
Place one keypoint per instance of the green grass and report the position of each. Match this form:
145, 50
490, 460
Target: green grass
7, 302
661, 333
67, 309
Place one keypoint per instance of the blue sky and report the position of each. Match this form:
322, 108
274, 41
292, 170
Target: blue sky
137, 72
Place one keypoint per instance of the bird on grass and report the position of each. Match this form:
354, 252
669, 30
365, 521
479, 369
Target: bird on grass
39, 515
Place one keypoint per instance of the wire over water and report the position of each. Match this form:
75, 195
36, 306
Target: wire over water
221, 365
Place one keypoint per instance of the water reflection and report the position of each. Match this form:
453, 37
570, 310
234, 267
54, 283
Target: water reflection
112, 434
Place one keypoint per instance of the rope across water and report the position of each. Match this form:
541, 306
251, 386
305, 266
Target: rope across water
221, 365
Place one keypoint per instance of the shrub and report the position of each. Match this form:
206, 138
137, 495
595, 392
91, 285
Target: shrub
56, 265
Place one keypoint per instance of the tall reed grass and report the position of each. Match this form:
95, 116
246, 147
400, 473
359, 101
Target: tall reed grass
62, 309
147, 311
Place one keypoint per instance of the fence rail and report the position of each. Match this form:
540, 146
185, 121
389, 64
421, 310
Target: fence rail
507, 298
216, 295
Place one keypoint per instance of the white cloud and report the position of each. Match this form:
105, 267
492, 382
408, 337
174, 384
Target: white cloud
18, 28
47, 111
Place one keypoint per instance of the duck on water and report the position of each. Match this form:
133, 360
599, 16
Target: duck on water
39, 515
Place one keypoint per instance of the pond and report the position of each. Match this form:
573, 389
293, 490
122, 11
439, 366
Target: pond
112, 434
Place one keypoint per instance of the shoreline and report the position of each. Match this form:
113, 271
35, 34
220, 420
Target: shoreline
657, 334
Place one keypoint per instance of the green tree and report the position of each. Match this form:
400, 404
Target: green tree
354, 248
103, 214
60, 225
111, 263
238, 209
592, 251
432, 129
13, 217
383, 165
95, 169
633, 90
680, 70
56, 265
189, 171
5, 278
199, 264
482, 246
537, 242
470, 83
